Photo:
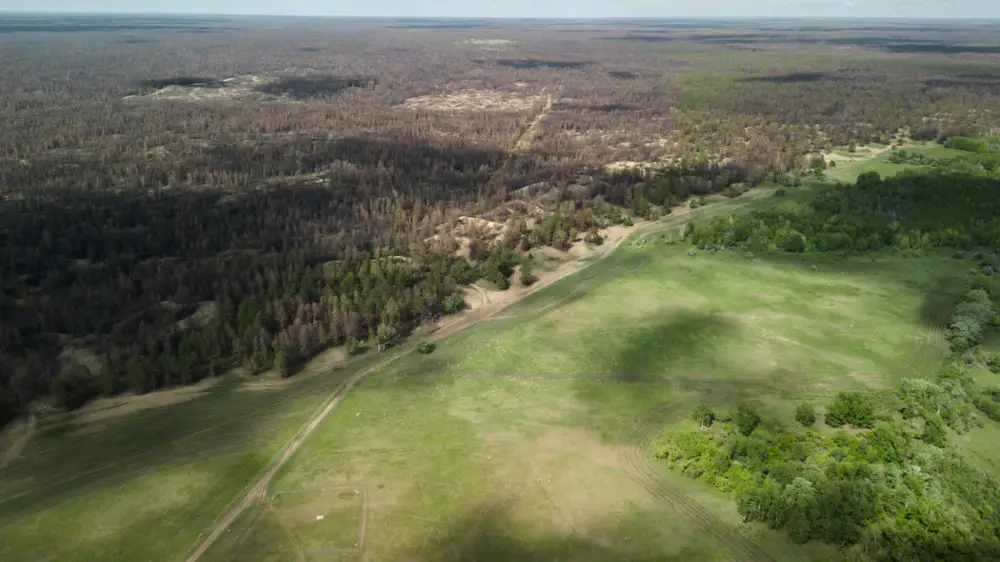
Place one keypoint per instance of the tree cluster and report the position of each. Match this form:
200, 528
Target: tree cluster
891, 490
911, 211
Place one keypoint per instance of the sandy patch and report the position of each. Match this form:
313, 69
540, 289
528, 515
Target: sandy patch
331, 359
204, 314
474, 100
237, 88
72, 355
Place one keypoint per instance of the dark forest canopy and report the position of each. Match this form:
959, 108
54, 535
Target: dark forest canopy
256, 204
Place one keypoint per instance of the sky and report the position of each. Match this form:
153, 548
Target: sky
532, 8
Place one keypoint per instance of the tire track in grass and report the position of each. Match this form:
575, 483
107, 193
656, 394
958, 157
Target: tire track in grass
637, 437
929, 338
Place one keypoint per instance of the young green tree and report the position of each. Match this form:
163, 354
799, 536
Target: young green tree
281, 361
851, 407
805, 414
703, 415
527, 274
747, 418
593, 237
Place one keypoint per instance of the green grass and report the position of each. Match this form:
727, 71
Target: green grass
849, 171
507, 442
143, 485
503, 444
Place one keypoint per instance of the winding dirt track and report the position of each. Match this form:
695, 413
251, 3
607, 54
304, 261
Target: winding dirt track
632, 446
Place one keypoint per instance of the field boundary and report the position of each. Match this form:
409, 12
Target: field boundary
359, 540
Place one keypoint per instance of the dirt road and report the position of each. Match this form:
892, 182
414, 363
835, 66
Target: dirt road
257, 489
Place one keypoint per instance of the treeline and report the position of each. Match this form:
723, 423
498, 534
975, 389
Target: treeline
288, 318
891, 489
911, 211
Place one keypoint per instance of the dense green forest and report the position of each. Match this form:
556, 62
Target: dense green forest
945, 203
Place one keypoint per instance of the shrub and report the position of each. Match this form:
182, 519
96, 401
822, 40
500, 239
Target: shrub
354, 347
593, 237
478, 250
967, 144
934, 432
989, 407
791, 241
426, 348
627, 222
453, 303
527, 273
495, 276
968, 322
747, 418
735, 190
851, 407
988, 402
73, 388
703, 415
282, 362
805, 414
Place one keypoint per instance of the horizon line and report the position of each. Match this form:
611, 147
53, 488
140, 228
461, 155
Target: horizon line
506, 18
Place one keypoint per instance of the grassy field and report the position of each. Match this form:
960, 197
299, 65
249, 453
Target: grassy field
520, 438
877, 160
130, 483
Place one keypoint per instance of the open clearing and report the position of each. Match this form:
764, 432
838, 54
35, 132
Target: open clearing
474, 100
520, 438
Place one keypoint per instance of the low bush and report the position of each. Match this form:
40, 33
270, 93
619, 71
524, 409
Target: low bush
805, 414
854, 408
703, 415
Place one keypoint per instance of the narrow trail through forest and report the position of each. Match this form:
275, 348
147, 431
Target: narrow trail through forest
524, 141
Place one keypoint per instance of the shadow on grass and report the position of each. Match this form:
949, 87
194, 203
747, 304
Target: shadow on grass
940, 300
649, 368
487, 533
71, 458
651, 352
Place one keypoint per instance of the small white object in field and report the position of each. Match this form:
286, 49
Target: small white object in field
319, 518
